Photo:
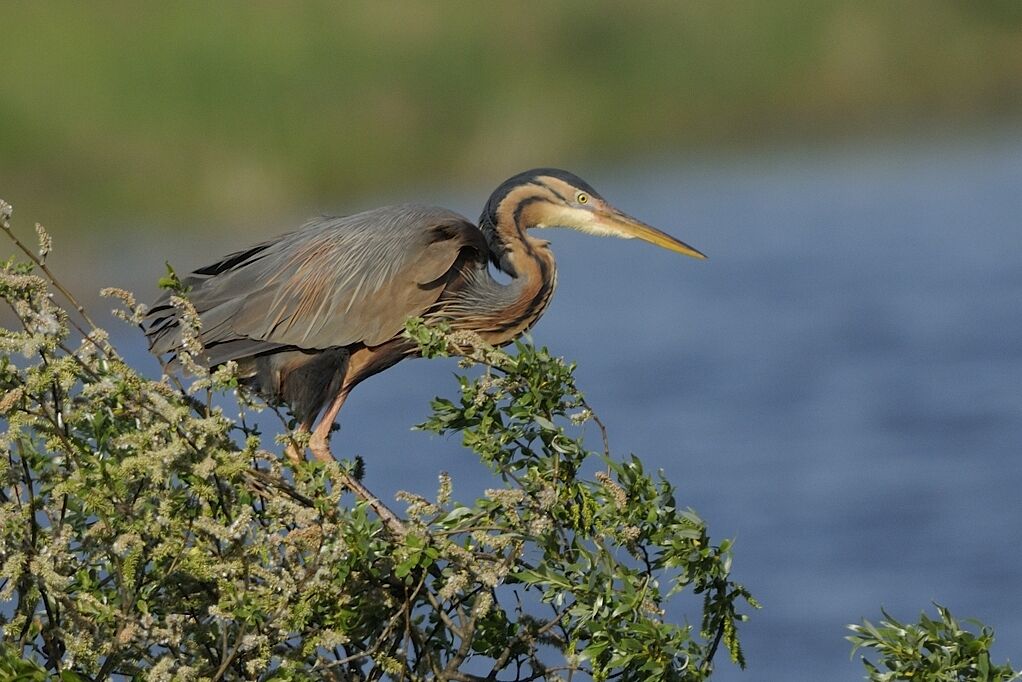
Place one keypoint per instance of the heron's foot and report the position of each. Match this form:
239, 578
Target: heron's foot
391, 520
319, 444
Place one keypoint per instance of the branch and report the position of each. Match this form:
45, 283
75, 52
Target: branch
707, 663
391, 520
505, 655
5, 214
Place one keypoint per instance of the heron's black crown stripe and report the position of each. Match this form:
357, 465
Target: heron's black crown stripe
489, 214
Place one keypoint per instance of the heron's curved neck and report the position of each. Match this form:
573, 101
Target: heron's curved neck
505, 224
502, 312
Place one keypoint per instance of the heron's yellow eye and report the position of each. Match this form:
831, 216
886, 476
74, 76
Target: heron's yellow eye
582, 197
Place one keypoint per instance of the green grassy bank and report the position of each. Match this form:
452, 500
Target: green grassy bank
225, 111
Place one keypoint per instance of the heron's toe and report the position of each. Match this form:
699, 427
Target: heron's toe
320, 447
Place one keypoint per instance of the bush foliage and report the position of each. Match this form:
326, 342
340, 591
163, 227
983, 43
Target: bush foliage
145, 533
932, 650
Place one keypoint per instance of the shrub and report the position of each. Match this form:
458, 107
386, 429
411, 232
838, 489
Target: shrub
145, 533
931, 650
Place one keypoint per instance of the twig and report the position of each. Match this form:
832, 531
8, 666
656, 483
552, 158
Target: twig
5, 224
603, 428
379, 640
465, 648
707, 663
389, 518
505, 655
228, 657
79, 308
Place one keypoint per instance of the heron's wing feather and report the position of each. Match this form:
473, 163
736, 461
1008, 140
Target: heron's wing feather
335, 282
212, 291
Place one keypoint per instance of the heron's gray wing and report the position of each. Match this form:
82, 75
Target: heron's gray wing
211, 290
335, 282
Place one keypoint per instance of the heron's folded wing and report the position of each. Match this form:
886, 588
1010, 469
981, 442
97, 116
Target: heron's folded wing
346, 280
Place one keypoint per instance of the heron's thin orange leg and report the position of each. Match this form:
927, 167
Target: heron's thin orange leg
319, 443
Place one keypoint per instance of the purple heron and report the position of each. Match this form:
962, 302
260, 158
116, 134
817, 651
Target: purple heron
312, 313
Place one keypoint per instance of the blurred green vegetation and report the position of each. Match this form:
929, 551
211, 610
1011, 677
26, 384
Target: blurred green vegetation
224, 112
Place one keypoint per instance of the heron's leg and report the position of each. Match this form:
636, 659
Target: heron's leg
319, 443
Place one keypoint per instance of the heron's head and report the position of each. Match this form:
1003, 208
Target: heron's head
549, 197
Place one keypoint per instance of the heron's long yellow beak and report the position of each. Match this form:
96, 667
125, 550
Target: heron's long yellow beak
623, 225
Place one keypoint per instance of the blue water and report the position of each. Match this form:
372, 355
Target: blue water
839, 388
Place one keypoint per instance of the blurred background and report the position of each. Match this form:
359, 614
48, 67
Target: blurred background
837, 387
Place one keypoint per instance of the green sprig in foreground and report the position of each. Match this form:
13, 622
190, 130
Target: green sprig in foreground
521, 418
932, 650
143, 532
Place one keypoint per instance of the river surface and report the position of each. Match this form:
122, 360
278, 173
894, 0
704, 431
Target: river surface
839, 388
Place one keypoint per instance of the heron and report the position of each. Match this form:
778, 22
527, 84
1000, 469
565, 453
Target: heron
309, 315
